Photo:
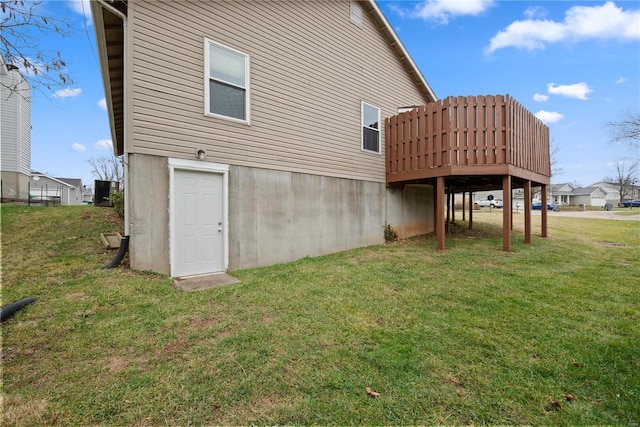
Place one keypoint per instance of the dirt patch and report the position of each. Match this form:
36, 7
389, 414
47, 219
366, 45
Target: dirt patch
457, 384
116, 364
613, 244
20, 411
203, 323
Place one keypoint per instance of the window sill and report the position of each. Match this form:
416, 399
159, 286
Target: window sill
230, 119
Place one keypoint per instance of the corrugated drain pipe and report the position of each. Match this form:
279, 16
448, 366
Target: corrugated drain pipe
122, 250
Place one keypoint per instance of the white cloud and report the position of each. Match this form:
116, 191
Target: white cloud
78, 147
548, 116
441, 11
67, 93
622, 80
580, 23
540, 97
103, 104
103, 144
535, 12
81, 7
578, 90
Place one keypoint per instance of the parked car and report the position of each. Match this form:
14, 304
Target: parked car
495, 203
537, 206
631, 204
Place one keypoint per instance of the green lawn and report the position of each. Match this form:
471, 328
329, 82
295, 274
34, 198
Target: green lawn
471, 335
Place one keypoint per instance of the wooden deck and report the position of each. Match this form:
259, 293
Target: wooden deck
468, 144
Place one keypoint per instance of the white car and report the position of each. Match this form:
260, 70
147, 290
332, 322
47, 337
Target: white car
495, 203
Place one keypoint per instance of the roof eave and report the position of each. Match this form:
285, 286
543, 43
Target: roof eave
403, 54
116, 115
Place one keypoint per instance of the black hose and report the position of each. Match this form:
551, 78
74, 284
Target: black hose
124, 246
10, 309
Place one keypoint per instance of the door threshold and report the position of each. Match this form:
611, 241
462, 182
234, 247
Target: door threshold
204, 281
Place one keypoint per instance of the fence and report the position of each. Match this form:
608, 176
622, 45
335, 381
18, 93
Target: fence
466, 132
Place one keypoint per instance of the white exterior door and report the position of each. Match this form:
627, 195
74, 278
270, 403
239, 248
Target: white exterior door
198, 238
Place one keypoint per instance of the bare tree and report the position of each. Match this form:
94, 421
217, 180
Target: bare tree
625, 178
23, 26
626, 129
554, 150
106, 168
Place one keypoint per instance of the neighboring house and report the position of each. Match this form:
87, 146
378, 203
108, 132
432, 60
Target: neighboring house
68, 191
15, 132
567, 194
87, 194
613, 192
259, 132
589, 196
561, 194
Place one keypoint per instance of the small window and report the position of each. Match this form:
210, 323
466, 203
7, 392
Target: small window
355, 10
227, 82
370, 128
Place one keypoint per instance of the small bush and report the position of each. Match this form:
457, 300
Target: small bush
117, 199
390, 235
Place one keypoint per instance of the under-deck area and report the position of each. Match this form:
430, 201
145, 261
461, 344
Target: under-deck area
469, 144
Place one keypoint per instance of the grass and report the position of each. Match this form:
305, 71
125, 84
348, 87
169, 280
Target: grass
471, 335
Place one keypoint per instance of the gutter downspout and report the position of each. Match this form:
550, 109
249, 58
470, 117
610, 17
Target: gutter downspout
124, 243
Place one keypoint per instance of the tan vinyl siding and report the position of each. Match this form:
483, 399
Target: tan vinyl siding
310, 68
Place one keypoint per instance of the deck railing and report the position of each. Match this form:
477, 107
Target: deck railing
464, 133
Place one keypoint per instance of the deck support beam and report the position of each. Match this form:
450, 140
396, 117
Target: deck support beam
543, 207
527, 211
439, 214
464, 209
470, 211
453, 206
506, 213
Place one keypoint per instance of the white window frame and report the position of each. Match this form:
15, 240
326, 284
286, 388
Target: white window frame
362, 126
207, 79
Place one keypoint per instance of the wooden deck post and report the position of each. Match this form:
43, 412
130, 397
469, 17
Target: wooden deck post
453, 206
543, 199
448, 220
470, 212
439, 216
506, 213
464, 210
527, 211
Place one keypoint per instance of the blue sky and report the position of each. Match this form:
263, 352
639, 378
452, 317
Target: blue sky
576, 65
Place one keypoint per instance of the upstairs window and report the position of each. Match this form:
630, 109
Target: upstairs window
370, 128
227, 82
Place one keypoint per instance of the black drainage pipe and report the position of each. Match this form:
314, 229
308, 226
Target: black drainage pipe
124, 246
10, 309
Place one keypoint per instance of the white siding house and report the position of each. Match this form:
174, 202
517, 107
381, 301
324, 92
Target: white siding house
64, 190
15, 132
589, 196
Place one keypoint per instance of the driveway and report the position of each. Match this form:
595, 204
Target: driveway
596, 214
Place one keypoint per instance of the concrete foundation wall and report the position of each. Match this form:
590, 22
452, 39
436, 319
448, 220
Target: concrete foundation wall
277, 216
15, 185
149, 215
280, 216
410, 210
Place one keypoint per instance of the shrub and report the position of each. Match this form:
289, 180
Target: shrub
390, 235
117, 199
